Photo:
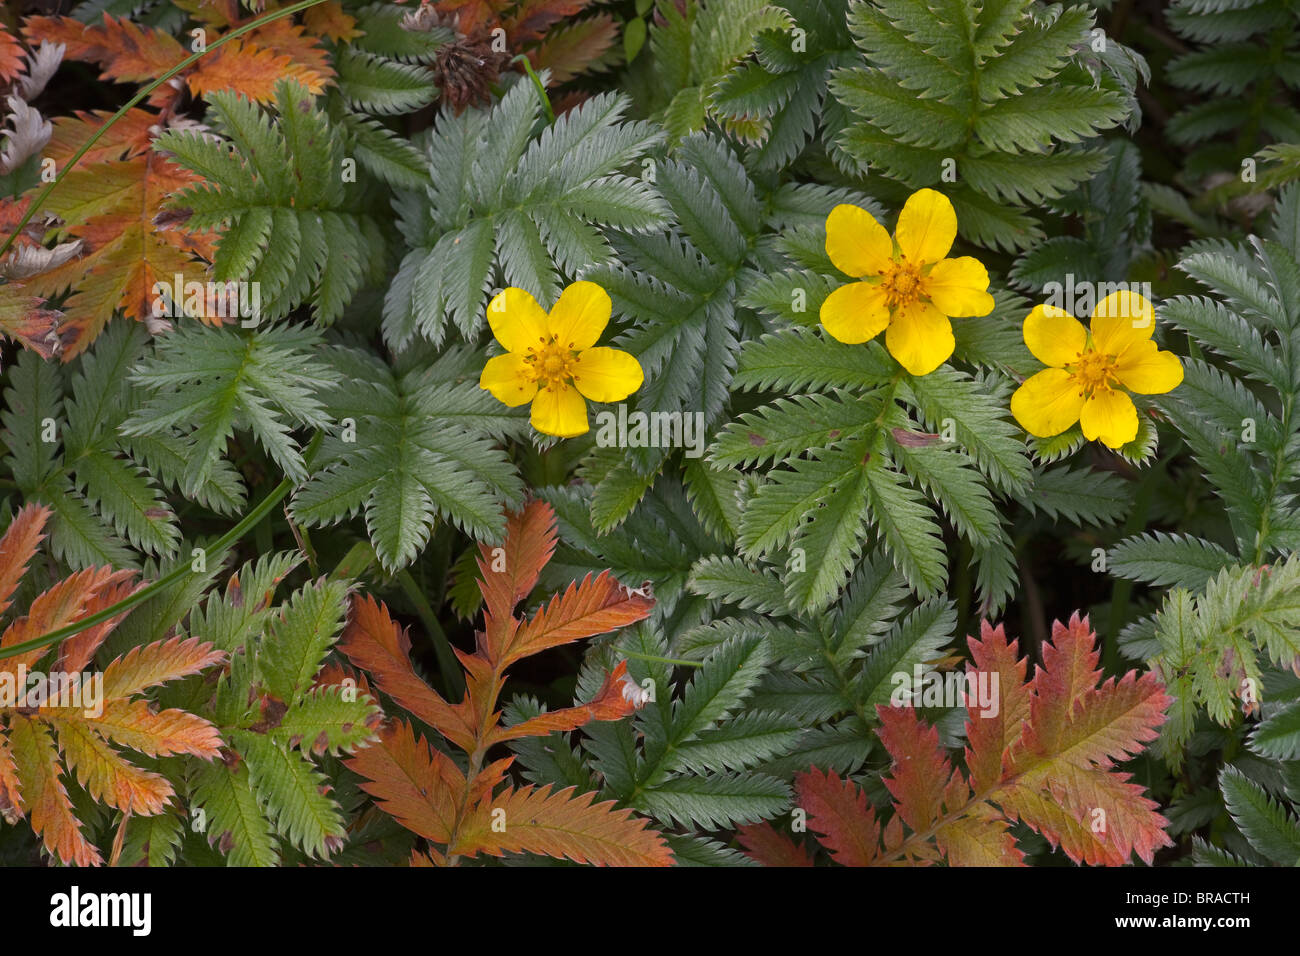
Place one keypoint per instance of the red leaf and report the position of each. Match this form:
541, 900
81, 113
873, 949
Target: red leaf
839, 814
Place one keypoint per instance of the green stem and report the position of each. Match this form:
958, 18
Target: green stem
136, 100
246, 524
260, 511
453, 682
658, 660
537, 84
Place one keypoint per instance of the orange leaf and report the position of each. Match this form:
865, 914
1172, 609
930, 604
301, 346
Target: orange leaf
565, 823
11, 56
126, 53
88, 724
421, 787
10, 798
62, 604
106, 776
328, 20
157, 733
129, 136
250, 64
254, 63
113, 207
989, 735
596, 606
374, 642
25, 319
414, 784
44, 796
76, 652
1042, 752
145, 667
19, 543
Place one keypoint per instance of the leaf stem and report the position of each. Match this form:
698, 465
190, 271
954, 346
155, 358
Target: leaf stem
522, 58
246, 524
677, 661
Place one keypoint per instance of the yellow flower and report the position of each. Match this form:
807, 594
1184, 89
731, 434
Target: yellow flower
550, 360
1086, 369
907, 287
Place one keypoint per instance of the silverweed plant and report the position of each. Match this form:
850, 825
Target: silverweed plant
649, 432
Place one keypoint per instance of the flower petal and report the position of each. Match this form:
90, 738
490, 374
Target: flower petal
919, 337
516, 319
1054, 336
1120, 320
855, 312
559, 410
607, 375
856, 243
1109, 415
959, 287
580, 315
1145, 369
926, 227
1047, 403
507, 378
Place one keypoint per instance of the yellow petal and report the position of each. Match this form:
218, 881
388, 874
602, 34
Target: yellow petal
559, 410
1120, 320
1047, 403
506, 377
856, 243
1054, 336
1145, 369
855, 312
919, 337
1109, 415
516, 319
580, 315
959, 287
926, 227
607, 375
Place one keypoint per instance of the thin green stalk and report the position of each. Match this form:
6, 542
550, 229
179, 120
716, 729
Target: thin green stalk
538, 85
249, 521
658, 660
453, 682
139, 98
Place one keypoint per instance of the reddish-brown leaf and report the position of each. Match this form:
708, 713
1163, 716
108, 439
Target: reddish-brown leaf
838, 813
1045, 757
373, 641
614, 701
509, 573
765, 844
570, 50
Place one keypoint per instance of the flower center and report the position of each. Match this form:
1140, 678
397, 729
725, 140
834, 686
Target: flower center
901, 282
1093, 370
550, 363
